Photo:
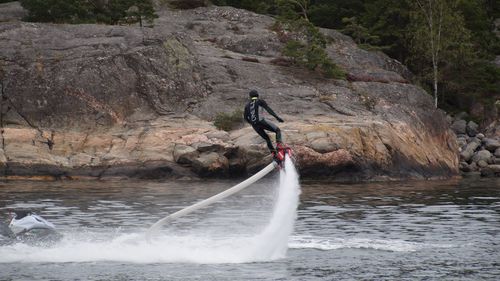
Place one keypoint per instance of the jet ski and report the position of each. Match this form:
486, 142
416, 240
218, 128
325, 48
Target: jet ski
28, 227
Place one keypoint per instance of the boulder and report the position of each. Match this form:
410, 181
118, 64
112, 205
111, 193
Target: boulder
491, 144
184, 154
490, 171
491, 161
497, 152
218, 135
482, 155
482, 163
210, 164
229, 151
323, 145
311, 136
472, 128
236, 166
480, 136
459, 127
496, 161
464, 167
207, 147
462, 142
469, 150
333, 161
255, 157
473, 167
494, 168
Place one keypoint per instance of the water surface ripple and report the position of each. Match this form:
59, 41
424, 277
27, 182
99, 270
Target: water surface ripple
443, 230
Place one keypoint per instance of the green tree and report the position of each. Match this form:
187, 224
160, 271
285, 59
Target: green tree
479, 18
307, 45
258, 6
388, 21
89, 11
141, 11
298, 7
437, 32
325, 15
329, 14
129, 11
307, 48
58, 11
462, 68
358, 32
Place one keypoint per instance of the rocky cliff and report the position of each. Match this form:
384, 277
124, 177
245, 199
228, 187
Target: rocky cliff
97, 101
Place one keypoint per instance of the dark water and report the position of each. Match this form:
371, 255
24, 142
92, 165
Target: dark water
377, 231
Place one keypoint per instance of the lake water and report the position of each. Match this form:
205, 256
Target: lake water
440, 230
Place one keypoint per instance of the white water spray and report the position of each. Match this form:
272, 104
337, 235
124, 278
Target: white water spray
271, 243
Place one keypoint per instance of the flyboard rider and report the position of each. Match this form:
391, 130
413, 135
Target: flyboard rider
254, 115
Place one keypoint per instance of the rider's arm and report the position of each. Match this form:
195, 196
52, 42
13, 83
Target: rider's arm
268, 109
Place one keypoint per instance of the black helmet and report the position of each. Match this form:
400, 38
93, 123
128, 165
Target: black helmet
253, 94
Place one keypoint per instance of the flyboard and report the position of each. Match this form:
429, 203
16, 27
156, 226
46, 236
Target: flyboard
278, 159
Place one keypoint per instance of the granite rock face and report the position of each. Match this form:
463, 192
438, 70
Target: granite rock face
96, 101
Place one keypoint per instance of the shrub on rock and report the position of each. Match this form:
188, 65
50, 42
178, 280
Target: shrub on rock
228, 121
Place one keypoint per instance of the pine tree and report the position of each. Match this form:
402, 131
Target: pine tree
89, 11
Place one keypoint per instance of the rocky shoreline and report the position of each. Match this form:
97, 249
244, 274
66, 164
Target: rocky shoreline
479, 155
95, 101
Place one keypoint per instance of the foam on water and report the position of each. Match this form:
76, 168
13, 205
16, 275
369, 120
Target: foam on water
271, 243
393, 245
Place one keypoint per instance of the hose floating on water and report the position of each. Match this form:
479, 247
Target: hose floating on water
155, 227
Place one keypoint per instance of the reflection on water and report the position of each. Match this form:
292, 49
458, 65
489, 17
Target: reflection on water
371, 231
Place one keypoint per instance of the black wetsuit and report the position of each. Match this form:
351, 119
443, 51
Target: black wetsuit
253, 115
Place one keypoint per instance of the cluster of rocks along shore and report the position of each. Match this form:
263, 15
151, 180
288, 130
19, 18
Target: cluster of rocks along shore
479, 154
